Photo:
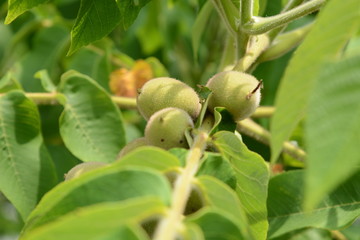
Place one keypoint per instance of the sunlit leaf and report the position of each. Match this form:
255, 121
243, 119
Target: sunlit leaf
323, 44
91, 125
285, 205
119, 220
109, 184
252, 179
16, 8
27, 171
333, 129
151, 157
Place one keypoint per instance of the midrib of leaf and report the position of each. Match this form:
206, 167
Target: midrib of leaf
80, 125
315, 210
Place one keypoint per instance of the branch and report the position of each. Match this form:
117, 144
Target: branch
263, 111
169, 225
259, 25
254, 130
257, 45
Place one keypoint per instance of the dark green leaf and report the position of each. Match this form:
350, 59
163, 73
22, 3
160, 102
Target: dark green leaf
107, 184
285, 202
48, 46
333, 129
252, 179
223, 120
323, 43
112, 220
129, 10
18, 7
95, 64
27, 171
91, 125
95, 20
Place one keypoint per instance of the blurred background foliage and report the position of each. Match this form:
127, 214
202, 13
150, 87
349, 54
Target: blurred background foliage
158, 43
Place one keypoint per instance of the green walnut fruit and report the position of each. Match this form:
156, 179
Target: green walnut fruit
83, 168
238, 92
166, 128
132, 146
160, 93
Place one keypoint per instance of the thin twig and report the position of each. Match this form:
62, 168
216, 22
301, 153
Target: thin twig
254, 130
261, 25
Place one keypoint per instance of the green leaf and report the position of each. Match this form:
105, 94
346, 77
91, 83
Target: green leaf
157, 67
219, 196
27, 171
192, 232
214, 165
149, 29
95, 20
48, 46
216, 225
8, 83
200, 26
223, 120
118, 220
129, 10
46, 81
252, 179
334, 112
95, 64
323, 44
306, 234
285, 200
91, 125
108, 184
18, 7
151, 157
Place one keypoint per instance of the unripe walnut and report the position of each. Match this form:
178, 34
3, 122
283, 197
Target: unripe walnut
83, 168
238, 92
132, 146
166, 128
160, 93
